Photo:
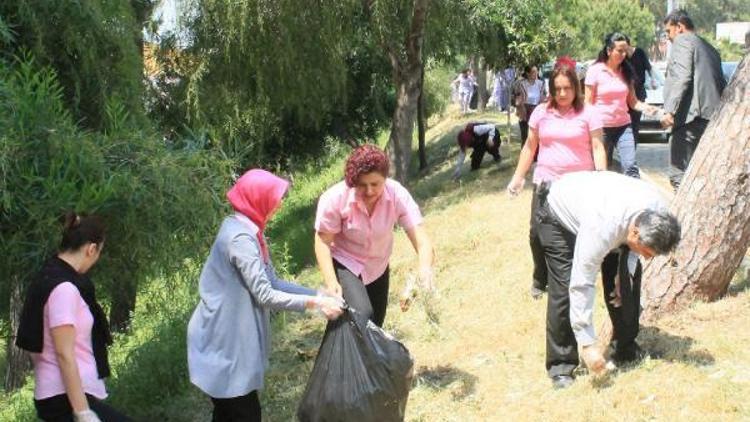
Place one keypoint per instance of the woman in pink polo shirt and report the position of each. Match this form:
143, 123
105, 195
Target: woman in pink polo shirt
354, 232
610, 88
66, 331
568, 135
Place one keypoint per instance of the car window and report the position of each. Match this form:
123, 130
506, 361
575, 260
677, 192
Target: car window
728, 68
658, 74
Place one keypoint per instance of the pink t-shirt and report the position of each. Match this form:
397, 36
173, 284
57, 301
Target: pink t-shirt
362, 242
65, 306
564, 141
611, 94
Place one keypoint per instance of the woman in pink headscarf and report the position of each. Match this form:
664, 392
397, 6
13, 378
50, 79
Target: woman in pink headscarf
228, 334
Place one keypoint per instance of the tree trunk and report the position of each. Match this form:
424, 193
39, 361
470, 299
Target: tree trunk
421, 124
407, 74
713, 206
18, 362
479, 69
124, 292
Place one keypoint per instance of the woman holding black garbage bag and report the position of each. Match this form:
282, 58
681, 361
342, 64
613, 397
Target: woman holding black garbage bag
228, 334
354, 233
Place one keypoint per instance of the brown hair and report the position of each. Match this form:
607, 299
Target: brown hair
365, 159
570, 73
79, 230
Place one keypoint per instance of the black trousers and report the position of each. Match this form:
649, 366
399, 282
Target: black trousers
562, 348
370, 300
537, 251
237, 409
479, 149
635, 123
524, 124
57, 409
682, 145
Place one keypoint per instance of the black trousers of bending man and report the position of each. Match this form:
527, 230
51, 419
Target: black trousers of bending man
558, 244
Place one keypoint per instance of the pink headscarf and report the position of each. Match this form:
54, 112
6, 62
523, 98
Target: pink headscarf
257, 195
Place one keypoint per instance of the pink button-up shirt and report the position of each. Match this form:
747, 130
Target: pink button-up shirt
611, 94
564, 141
363, 243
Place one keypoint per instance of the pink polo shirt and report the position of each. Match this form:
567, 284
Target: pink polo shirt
611, 94
564, 141
362, 242
65, 306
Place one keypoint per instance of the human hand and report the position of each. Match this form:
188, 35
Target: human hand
426, 278
667, 120
651, 110
515, 186
594, 359
334, 290
87, 415
328, 306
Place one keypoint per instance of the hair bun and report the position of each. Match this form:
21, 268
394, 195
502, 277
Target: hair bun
70, 220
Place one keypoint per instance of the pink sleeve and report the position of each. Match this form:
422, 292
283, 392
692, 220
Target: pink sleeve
591, 76
406, 208
536, 116
594, 119
328, 216
62, 305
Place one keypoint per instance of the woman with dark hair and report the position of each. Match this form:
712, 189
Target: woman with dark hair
529, 93
228, 337
480, 137
568, 136
354, 232
610, 87
66, 331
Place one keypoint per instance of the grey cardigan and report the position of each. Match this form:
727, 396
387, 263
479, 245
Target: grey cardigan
228, 338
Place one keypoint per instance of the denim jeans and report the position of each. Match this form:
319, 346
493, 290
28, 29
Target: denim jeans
622, 138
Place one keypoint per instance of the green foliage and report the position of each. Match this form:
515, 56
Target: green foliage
159, 203
729, 52
587, 22
707, 13
93, 45
514, 31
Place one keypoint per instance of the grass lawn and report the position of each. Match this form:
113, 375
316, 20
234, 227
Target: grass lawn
480, 356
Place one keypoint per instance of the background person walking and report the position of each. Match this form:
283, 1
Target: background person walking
610, 88
692, 90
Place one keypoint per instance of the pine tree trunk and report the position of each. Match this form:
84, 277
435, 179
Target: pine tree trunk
18, 363
713, 206
407, 75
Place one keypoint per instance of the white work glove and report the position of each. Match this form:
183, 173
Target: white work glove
327, 306
515, 186
87, 415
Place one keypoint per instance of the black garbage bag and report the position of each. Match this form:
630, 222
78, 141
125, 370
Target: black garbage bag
361, 374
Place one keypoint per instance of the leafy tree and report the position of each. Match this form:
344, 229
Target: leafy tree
93, 45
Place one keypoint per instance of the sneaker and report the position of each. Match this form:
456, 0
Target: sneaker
536, 292
562, 381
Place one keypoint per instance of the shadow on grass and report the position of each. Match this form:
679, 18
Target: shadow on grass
665, 346
460, 383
